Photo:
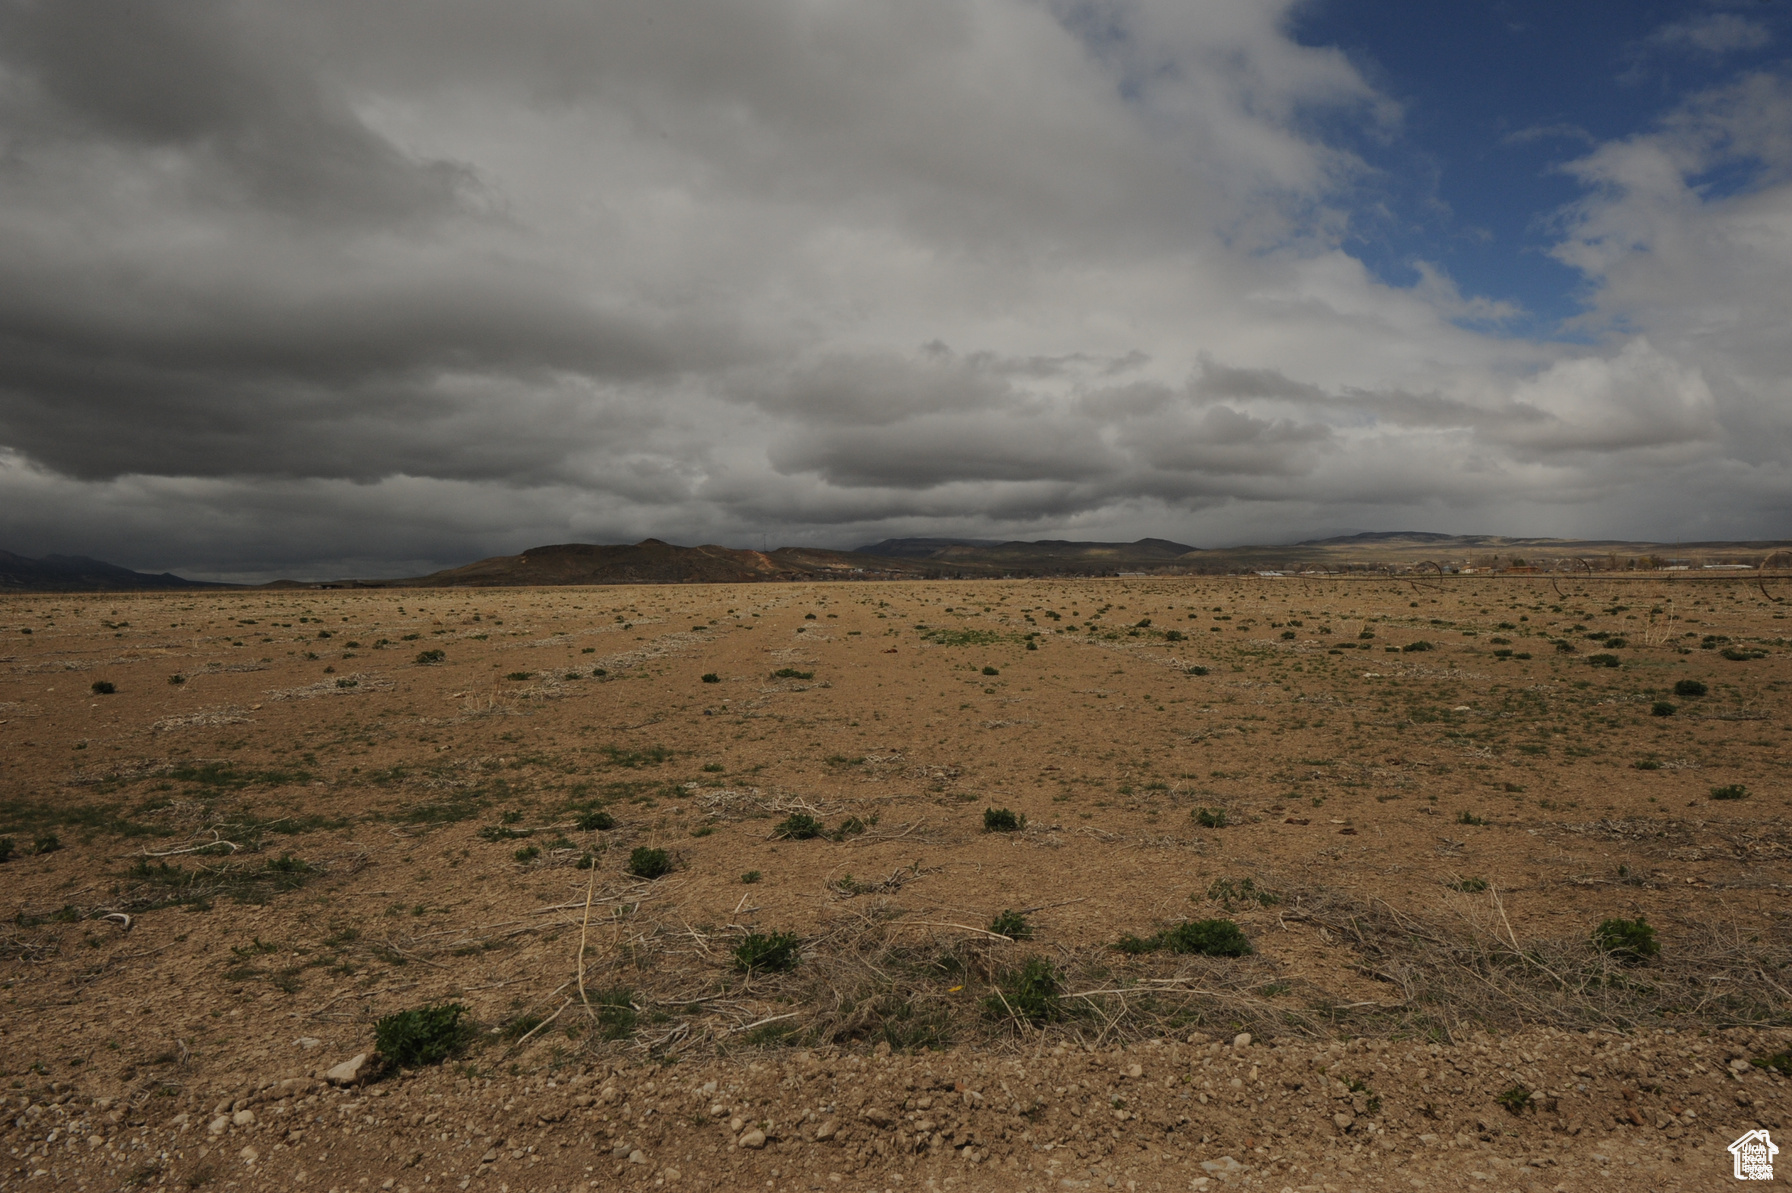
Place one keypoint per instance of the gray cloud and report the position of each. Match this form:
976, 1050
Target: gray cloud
335, 286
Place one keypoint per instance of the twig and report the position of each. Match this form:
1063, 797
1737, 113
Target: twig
525, 1037
585, 928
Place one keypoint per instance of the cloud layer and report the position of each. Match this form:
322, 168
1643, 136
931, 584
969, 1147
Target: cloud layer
342, 287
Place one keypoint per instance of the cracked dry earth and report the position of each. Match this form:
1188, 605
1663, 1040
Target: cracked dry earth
217, 886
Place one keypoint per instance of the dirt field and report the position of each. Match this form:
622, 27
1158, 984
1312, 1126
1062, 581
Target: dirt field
1417, 802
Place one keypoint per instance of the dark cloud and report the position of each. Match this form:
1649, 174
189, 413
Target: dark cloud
311, 287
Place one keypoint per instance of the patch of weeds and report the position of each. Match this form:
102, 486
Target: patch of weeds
428, 658
616, 1014
852, 826
515, 1028
1779, 1062
445, 812
1689, 689
426, 1035
1013, 925
103, 687
1646, 764
647, 863
527, 853
1604, 660
594, 822
1419, 645
1629, 942
1468, 886
772, 952
501, 832
1516, 1099
1225, 892
1210, 817
799, 826
1730, 791
1029, 993
7, 846
960, 637
1468, 817
991, 671
1197, 669
1002, 820
1208, 938
792, 673
1663, 708
751, 877
711, 677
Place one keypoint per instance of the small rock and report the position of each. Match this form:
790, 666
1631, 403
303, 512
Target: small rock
621, 1150
1242, 1040
1343, 1120
718, 1111
249, 1155
754, 1139
877, 1115
308, 1042
219, 1124
637, 1157
243, 1118
1738, 1065
349, 1072
490, 1157
736, 1123
826, 1131
1136, 1071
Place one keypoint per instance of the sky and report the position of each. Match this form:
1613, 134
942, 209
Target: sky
337, 289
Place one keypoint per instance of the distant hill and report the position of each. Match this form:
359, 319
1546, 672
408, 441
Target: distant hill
1046, 556
652, 561
77, 573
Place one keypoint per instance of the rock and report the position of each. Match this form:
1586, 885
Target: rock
243, 1118
621, 1150
249, 1155
718, 1111
1136, 1071
1242, 1040
219, 1125
826, 1131
637, 1157
350, 1072
308, 1042
754, 1139
736, 1123
877, 1116
1343, 1120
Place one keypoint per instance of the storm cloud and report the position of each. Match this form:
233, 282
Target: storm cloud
334, 287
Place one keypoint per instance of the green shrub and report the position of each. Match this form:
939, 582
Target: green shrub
711, 677
792, 673
1225, 892
750, 877
1209, 938
1629, 942
1013, 925
1690, 688
426, 658
1197, 670
103, 687
422, 1036
1604, 660
520, 676
649, 863
1662, 708
1029, 993
1470, 818
7, 847
1515, 1099
799, 826
1001, 820
991, 671
1210, 817
594, 822
46, 843
1469, 886
774, 951
1421, 644
527, 853
1779, 1062
1730, 791
852, 826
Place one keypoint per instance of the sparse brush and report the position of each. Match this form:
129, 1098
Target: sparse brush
647, 863
1001, 820
768, 952
1689, 688
1630, 942
799, 826
1210, 817
421, 1036
1013, 925
1730, 791
1030, 993
594, 822
1208, 938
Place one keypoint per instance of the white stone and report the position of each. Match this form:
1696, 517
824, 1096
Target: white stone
1242, 1040
349, 1072
754, 1139
219, 1125
637, 1157
243, 1118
